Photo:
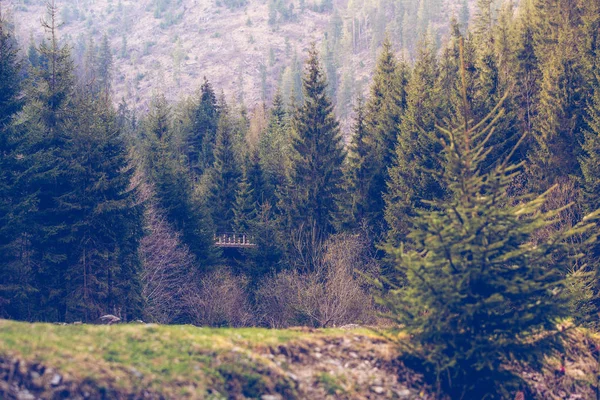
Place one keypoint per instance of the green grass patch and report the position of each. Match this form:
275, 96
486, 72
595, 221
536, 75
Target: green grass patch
164, 359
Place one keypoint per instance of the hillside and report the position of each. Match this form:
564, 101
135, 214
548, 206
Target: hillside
151, 361
154, 361
247, 49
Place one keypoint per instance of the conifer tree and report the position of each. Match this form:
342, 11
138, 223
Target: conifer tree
590, 182
202, 139
244, 208
224, 175
45, 228
411, 180
479, 287
15, 284
355, 197
383, 112
105, 66
564, 88
317, 156
527, 69
274, 148
173, 189
102, 274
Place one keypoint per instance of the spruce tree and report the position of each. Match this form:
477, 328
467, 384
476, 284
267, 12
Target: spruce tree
411, 179
15, 285
564, 90
481, 291
201, 141
383, 111
355, 196
46, 236
317, 156
590, 183
274, 148
244, 208
105, 66
225, 175
172, 186
102, 274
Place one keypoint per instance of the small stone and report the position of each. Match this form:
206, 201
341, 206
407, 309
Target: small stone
270, 397
403, 394
318, 356
56, 380
353, 354
25, 395
377, 389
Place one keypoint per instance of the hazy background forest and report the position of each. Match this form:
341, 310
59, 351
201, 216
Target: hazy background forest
248, 49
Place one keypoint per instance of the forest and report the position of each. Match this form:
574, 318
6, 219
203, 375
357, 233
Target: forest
461, 206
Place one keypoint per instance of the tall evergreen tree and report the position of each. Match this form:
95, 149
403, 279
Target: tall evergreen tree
202, 138
14, 281
383, 111
274, 148
224, 175
105, 66
317, 156
355, 195
46, 237
102, 272
411, 179
590, 182
564, 88
173, 188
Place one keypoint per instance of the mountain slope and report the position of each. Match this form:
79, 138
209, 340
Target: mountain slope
247, 51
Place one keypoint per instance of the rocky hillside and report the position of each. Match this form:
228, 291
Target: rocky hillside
247, 48
152, 361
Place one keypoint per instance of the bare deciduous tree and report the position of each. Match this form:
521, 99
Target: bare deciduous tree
167, 268
332, 294
221, 300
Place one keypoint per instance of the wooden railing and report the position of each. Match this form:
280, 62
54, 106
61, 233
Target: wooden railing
240, 240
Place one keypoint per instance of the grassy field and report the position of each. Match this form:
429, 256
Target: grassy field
154, 361
173, 361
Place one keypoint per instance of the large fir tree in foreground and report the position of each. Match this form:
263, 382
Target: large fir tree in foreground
483, 289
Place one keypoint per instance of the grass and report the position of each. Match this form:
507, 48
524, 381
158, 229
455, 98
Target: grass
171, 360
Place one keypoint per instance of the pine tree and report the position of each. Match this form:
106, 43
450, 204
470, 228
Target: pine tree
479, 287
201, 141
274, 148
355, 197
45, 236
244, 208
564, 88
411, 179
14, 281
590, 182
224, 175
102, 273
105, 66
317, 156
383, 112
173, 190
